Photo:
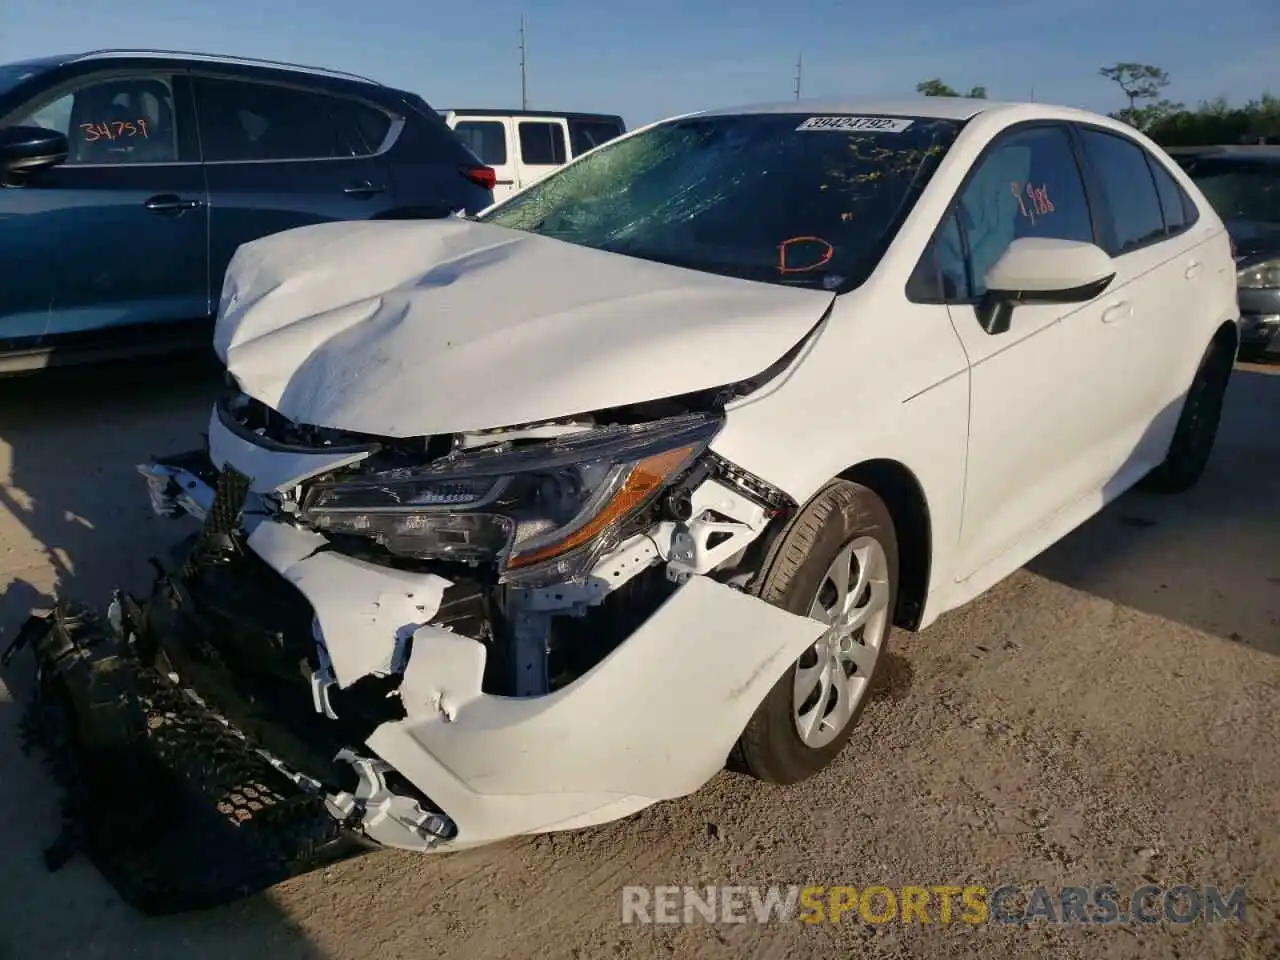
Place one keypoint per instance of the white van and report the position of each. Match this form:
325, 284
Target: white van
523, 146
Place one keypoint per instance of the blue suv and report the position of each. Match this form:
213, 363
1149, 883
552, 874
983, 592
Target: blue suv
128, 178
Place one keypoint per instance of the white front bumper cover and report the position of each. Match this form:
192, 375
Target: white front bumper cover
654, 720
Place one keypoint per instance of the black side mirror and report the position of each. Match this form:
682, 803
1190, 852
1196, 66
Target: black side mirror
995, 309
25, 149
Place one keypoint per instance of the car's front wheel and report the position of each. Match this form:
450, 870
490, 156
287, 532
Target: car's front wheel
838, 563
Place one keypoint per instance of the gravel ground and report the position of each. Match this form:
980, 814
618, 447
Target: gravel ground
1105, 716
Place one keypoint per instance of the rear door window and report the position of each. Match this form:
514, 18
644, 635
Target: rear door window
541, 142
586, 134
244, 121
487, 139
1120, 167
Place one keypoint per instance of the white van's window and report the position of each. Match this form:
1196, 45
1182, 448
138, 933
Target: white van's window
487, 139
541, 142
588, 134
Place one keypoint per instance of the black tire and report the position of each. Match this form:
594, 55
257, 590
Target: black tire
1197, 428
770, 747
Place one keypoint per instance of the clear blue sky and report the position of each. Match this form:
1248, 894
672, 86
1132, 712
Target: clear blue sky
654, 58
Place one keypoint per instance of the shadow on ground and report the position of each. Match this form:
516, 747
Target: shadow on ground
74, 519
1208, 558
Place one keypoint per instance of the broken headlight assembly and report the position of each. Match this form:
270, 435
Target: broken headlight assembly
543, 512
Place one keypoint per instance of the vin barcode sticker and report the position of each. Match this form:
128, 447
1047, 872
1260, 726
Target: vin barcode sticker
870, 124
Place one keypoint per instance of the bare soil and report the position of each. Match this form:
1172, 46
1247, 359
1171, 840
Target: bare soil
1107, 715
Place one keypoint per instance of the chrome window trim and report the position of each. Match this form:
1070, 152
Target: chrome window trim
179, 56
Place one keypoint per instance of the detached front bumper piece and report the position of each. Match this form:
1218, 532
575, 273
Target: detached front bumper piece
171, 803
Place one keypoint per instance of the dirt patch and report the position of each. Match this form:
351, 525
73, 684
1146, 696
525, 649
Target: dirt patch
1076, 726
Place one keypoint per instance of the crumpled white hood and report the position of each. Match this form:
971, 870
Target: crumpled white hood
409, 328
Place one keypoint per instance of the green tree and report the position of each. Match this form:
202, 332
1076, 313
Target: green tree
936, 88
1264, 119
1139, 81
1217, 122
1141, 84
1217, 107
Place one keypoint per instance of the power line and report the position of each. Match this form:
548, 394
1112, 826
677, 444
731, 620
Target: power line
524, 97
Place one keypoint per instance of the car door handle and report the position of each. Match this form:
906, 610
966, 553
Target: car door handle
171, 203
362, 189
1117, 311
1193, 270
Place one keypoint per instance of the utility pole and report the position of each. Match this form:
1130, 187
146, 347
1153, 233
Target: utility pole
524, 98
1033, 93
799, 65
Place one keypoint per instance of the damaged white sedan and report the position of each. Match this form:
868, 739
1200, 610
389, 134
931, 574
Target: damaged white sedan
524, 522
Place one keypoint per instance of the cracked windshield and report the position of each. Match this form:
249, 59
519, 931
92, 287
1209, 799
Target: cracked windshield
795, 199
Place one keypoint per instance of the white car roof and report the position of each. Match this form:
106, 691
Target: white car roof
941, 108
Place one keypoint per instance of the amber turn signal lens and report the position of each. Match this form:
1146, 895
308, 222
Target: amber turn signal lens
647, 477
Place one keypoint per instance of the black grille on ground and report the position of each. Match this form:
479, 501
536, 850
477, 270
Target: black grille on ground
175, 807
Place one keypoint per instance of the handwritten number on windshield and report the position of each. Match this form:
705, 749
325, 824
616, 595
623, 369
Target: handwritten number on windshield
785, 267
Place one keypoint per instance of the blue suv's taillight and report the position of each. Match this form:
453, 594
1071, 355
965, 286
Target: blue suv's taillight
485, 177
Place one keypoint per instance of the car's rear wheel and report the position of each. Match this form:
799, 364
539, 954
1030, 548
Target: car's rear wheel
1197, 429
837, 562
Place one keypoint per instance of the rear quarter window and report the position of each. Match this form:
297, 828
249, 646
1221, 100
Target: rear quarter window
1174, 202
366, 127
426, 138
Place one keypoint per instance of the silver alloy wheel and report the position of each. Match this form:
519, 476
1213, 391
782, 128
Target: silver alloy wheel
833, 675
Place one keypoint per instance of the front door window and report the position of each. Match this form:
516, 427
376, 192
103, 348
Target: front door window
125, 119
